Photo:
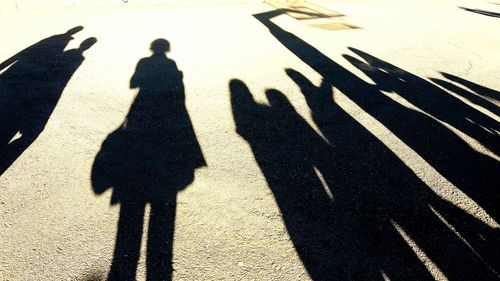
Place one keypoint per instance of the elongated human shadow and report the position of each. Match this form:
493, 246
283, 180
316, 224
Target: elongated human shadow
31, 84
382, 207
480, 90
482, 96
357, 226
429, 98
147, 160
471, 96
481, 12
472, 172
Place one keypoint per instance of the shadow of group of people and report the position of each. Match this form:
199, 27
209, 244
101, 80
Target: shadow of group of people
31, 83
146, 161
353, 209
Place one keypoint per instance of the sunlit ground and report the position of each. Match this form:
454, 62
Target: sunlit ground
329, 141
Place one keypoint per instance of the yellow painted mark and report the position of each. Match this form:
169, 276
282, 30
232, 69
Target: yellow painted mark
335, 26
305, 11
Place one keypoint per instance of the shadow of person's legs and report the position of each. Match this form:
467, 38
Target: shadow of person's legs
11, 150
160, 241
128, 242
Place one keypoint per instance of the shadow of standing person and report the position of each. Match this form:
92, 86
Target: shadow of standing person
147, 160
30, 87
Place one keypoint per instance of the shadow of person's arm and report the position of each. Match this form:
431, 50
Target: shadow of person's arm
138, 77
324, 110
389, 80
316, 97
9, 61
480, 90
486, 103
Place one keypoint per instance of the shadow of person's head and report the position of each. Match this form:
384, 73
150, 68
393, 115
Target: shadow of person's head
240, 92
87, 44
238, 86
74, 30
160, 46
278, 100
304, 84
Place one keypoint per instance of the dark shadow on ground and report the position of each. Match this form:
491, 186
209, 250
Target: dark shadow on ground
482, 91
147, 160
31, 83
474, 173
472, 95
431, 99
379, 205
482, 12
